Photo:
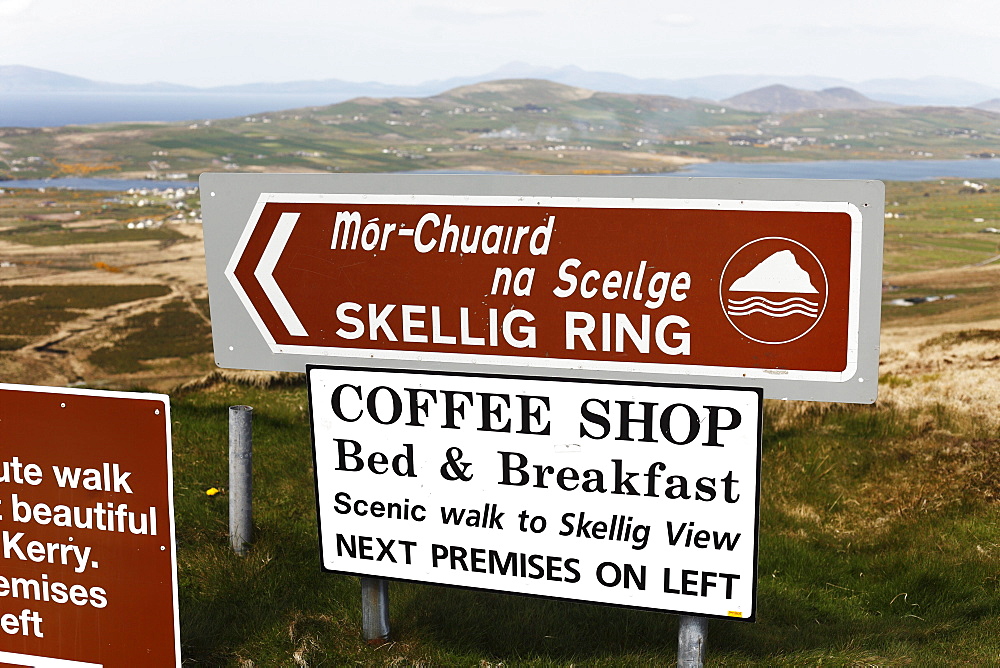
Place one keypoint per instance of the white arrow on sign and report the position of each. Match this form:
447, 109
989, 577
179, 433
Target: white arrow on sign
264, 273
43, 662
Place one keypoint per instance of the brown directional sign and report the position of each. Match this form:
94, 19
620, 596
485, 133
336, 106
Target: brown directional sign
87, 565
738, 289
556, 282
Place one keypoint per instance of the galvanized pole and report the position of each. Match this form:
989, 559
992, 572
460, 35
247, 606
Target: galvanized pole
240, 477
375, 609
692, 636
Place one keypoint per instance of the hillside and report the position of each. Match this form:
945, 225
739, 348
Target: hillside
522, 125
783, 99
110, 288
878, 524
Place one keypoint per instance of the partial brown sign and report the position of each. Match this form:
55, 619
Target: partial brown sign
87, 565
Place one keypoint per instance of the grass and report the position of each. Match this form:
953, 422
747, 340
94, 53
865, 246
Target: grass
172, 331
879, 538
937, 227
12, 342
879, 544
58, 237
970, 304
964, 336
892, 380
36, 310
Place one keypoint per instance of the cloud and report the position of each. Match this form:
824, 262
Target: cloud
675, 20
472, 15
11, 8
778, 273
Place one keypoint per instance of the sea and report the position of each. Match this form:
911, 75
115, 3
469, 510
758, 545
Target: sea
880, 170
82, 183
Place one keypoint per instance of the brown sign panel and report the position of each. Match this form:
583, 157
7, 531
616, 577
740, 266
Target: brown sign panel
718, 287
87, 563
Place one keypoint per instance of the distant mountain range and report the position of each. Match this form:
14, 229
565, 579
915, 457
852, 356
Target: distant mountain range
935, 91
750, 92
22, 79
990, 105
784, 99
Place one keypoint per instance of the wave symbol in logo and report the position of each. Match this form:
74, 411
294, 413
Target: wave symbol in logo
774, 309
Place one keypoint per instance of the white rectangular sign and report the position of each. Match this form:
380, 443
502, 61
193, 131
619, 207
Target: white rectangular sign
636, 494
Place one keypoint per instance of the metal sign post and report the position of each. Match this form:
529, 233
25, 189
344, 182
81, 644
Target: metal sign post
374, 609
240, 478
692, 638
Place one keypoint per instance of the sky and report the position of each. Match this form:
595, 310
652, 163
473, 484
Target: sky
218, 42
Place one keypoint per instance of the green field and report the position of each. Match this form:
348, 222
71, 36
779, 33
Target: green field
36, 310
939, 225
879, 525
59, 237
174, 331
879, 544
527, 126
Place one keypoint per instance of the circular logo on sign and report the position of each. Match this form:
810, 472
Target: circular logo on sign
773, 290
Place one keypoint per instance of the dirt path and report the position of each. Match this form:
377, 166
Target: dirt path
61, 357
96, 324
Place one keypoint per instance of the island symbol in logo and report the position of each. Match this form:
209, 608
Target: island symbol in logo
773, 290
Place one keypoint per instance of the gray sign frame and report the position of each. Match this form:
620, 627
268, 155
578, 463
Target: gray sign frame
229, 201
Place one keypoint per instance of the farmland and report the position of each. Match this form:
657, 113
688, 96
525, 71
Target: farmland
525, 126
83, 273
878, 525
